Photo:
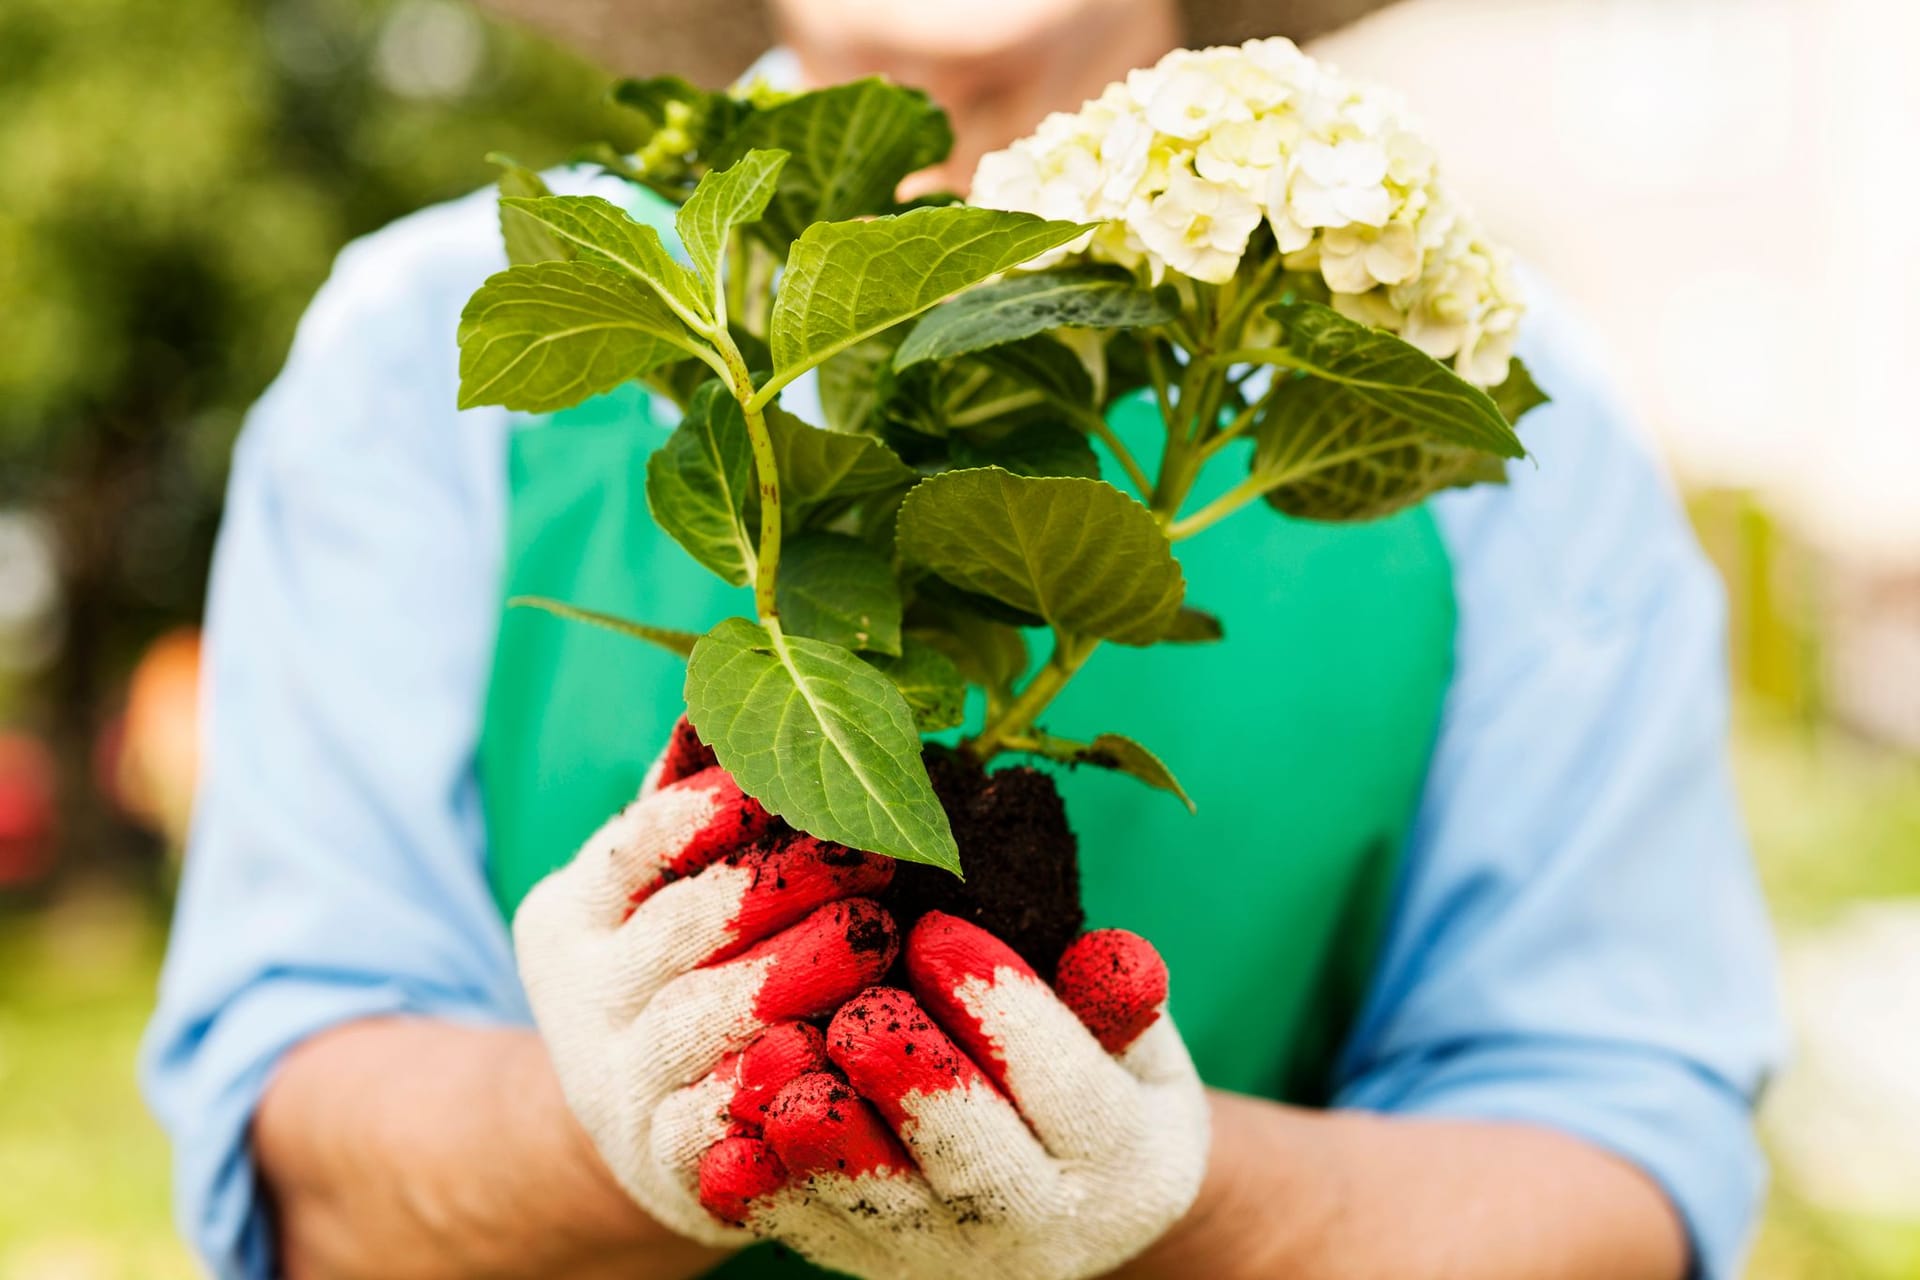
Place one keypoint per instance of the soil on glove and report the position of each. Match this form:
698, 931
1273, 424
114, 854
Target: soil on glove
1021, 859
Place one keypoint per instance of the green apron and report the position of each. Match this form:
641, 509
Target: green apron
1303, 737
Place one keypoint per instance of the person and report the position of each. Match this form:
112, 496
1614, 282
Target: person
1463, 941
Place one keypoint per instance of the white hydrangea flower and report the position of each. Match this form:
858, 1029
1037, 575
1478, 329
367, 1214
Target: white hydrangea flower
1338, 184
1354, 259
1181, 162
1196, 227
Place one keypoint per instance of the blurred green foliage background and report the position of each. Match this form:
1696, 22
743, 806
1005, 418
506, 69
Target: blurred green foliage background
174, 181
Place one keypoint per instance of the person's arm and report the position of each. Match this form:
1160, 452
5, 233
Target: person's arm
411, 1149
1352, 1196
1574, 1010
335, 872
1577, 981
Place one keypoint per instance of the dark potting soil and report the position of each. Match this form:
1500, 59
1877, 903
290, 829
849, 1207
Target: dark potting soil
1021, 860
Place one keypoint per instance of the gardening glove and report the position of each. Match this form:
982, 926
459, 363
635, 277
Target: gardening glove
686, 926
985, 1125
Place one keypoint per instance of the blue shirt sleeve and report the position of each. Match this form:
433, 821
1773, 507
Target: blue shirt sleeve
334, 868
1579, 940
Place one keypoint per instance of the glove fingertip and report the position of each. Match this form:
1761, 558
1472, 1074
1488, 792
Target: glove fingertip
734, 1173
776, 1057
1116, 982
944, 950
818, 1124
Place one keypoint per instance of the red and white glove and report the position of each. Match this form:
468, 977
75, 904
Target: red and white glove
681, 931
990, 1128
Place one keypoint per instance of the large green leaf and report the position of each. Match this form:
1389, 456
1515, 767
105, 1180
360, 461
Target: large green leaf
725, 199
817, 466
930, 682
673, 641
1079, 553
1370, 424
1008, 310
602, 232
699, 480
851, 146
526, 239
820, 738
848, 280
548, 335
839, 589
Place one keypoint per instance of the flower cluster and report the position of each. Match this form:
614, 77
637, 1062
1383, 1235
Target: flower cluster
1183, 161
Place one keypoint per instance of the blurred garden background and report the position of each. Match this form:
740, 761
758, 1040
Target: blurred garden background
1723, 186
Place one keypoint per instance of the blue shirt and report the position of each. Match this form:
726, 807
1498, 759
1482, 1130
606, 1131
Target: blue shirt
1577, 943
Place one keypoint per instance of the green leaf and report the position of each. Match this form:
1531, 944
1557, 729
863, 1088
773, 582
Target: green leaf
930, 682
1077, 552
1393, 381
990, 654
1519, 394
602, 232
1123, 755
1373, 425
725, 199
680, 642
937, 591
820, 738
855, 383
1111, 751
705, 118
526, 240
1033, 449
1194, 626
817, 466
655, 96
851, 146
698, 484
839, 589
1008, 310
846, 281
1048, 366
548, 335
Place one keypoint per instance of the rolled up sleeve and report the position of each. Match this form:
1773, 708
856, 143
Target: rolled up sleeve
334, 870
1579, 941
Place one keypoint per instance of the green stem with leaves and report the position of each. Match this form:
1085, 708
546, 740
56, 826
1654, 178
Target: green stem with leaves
1070, 652
766, 561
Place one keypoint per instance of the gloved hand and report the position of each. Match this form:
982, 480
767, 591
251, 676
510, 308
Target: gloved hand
992, 1127
686, 926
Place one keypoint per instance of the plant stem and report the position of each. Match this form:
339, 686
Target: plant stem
766, 565
1013, 723
1248, 490
988, 410
1249, 296
1258, 486
1242, 422
1170, 484
1103, 431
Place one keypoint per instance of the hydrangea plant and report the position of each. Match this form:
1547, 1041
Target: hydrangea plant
1260, 247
